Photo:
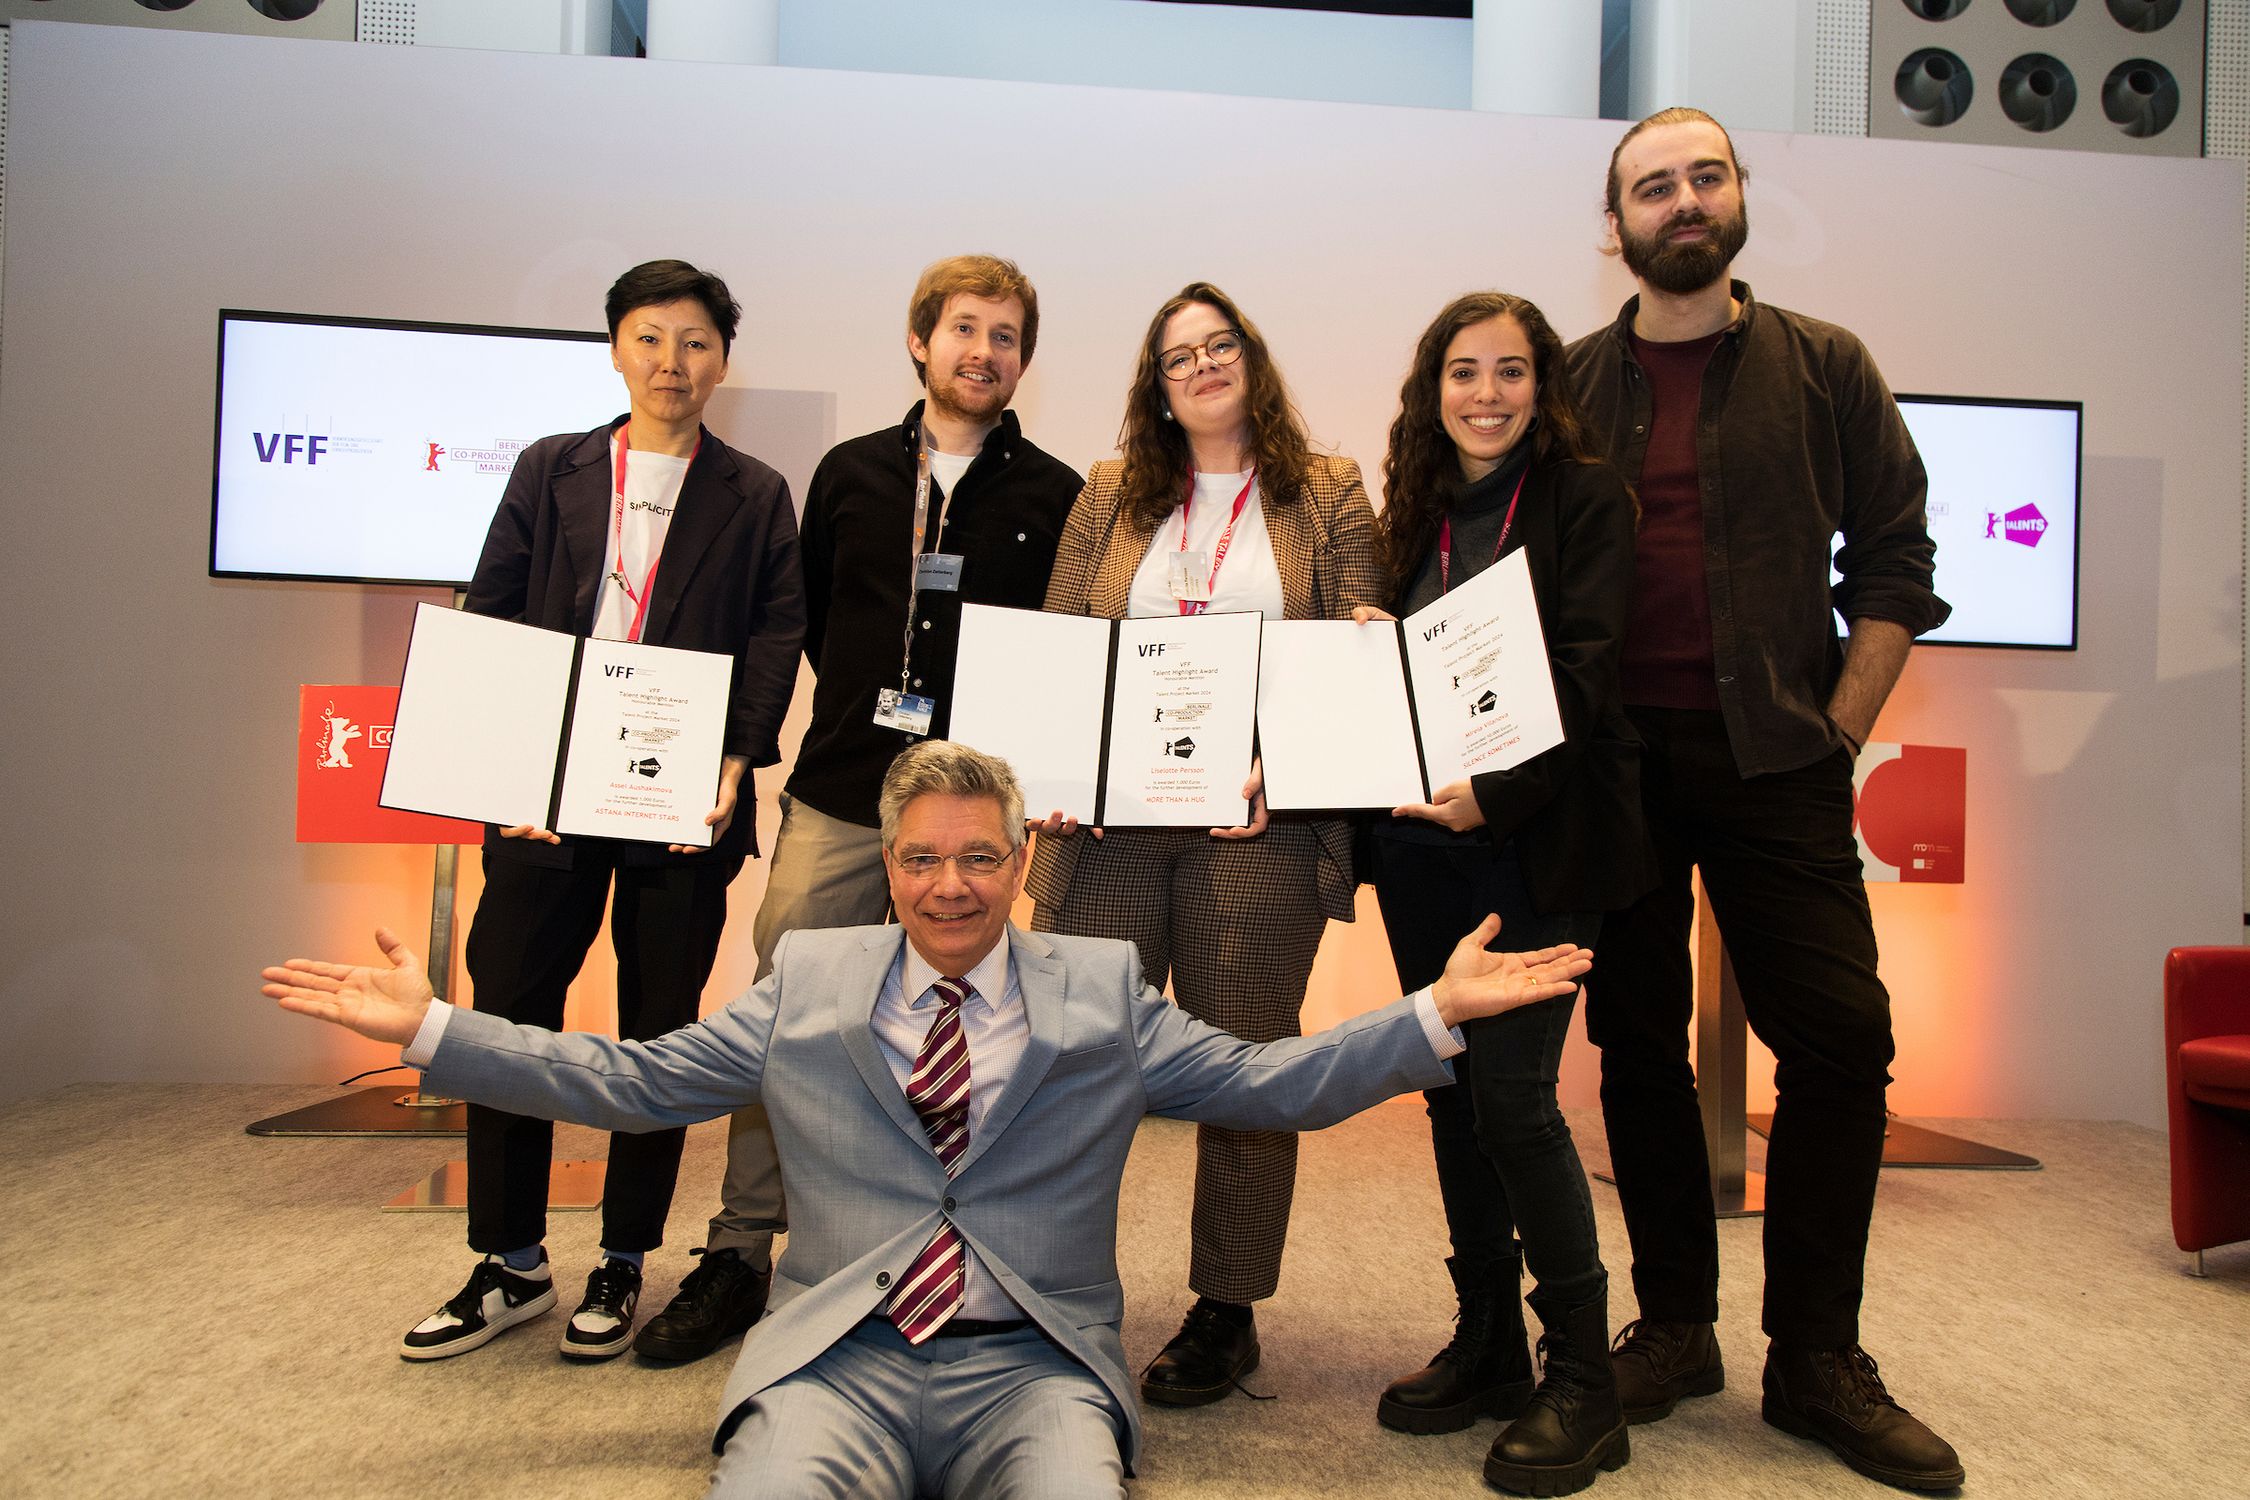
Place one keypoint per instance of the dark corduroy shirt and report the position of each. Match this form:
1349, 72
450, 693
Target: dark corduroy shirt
1797, 438
858, 548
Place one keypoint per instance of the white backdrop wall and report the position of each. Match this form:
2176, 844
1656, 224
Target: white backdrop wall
1228, 49
154, 178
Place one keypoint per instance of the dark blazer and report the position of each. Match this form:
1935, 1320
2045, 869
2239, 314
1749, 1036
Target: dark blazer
727, 581
1575, 811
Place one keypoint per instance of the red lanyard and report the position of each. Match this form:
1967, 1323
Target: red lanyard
648, 584
1226, 539
1445, 536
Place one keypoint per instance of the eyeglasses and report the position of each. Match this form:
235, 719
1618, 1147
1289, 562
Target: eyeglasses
1224, 347
977, 864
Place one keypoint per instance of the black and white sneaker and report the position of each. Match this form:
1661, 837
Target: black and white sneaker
602, 1328
495, 1300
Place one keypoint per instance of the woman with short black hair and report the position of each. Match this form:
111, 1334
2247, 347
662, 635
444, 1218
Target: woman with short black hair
648, 528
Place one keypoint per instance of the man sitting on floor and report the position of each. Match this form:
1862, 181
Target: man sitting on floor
954, 1100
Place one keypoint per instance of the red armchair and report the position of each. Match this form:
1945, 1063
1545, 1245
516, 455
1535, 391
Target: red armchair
2207, 1082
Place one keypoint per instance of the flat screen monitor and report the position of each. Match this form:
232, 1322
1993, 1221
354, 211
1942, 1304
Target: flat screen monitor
2003, 510
367, 450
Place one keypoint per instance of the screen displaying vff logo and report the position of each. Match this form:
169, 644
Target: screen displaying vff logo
289, 446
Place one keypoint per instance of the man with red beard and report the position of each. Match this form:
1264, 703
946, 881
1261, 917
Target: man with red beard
1754, 435
901, 526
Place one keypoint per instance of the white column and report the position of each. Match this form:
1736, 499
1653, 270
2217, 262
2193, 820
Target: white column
1741, 60
1537, 57
734, 31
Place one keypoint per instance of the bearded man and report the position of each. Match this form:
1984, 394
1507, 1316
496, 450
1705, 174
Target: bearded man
1754, 435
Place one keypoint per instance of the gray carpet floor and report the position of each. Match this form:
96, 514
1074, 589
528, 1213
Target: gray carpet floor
201, 1312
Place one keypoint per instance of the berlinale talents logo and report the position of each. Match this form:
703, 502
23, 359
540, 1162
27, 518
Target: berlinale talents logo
2023, 525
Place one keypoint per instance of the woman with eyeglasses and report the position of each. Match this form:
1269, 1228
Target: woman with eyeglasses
1487, 457
1219, 503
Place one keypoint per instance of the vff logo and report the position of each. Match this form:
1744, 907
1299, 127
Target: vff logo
288, 445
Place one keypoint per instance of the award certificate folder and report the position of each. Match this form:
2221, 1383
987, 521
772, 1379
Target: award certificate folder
1377, 715
511, 724
1120, 723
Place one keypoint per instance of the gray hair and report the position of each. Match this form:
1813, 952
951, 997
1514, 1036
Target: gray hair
943, 768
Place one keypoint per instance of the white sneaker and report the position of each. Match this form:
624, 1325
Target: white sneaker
495, 1300
602, 1328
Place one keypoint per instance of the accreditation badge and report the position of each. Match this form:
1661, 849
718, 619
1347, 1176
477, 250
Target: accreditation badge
909, 713
938, 572
1190, 577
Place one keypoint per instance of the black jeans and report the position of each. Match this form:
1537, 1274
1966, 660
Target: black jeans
1506, 1164
1782, 869
530, 935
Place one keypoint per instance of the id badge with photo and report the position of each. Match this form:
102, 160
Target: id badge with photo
1191, 577
938, 572
908, 712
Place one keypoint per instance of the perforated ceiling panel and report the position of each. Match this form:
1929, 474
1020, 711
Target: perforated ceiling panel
327, 20
1839, 78
2081, 75
387, 21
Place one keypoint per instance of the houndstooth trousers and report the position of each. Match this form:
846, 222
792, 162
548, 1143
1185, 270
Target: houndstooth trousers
1235, 925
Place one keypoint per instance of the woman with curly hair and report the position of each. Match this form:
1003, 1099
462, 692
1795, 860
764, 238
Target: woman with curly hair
1218, 503
1487, 457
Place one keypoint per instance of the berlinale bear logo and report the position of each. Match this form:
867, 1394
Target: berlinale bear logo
2023, 525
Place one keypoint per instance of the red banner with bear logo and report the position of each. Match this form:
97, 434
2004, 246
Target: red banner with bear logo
343, 743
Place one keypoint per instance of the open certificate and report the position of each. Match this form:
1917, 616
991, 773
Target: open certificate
511, 724
1123, 723
1371, 716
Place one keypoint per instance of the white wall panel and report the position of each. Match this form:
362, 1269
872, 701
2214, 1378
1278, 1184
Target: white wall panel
154, 178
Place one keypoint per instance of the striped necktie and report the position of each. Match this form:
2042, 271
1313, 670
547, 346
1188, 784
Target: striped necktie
938, 1088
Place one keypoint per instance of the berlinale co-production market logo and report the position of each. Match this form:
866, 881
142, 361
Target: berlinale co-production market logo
2024, 526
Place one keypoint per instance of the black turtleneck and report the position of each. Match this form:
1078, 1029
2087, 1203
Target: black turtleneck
1477, 508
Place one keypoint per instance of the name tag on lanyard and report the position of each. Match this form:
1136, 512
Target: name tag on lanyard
1193, 575
940, 573
910, 713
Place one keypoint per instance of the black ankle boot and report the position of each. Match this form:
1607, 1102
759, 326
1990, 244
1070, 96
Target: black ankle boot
1485, 1371
1574, 1427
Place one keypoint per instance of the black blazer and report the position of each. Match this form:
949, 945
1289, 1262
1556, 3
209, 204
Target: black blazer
727, 581
1575, 810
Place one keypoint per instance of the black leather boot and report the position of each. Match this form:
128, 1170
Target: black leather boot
1484, 1372
1836, 1397
1206, 1358
1574, 1427
1659, 1364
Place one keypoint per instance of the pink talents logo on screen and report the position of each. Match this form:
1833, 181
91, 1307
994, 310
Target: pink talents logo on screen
2024, 525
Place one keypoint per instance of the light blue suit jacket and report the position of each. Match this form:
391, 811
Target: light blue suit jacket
1036, 1195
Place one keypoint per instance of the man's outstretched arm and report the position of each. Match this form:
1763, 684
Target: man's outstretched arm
1193, 1071
695, 1073
1477, 983
386, 1004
